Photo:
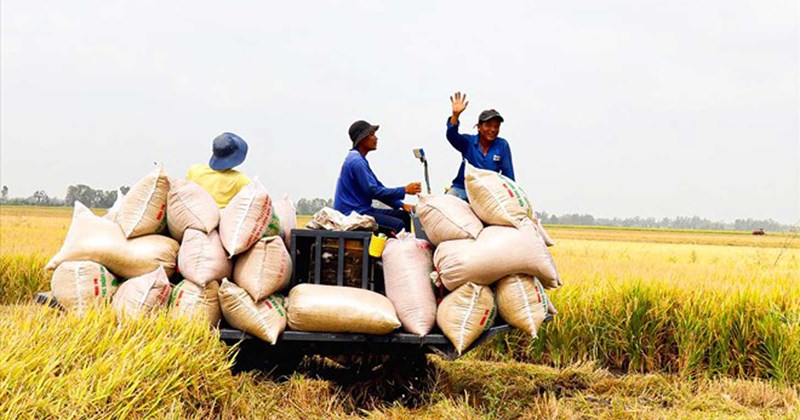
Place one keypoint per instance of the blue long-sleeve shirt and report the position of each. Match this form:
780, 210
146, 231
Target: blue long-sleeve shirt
497, 158
358, 186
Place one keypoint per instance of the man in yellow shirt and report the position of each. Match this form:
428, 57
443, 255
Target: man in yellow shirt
218, 177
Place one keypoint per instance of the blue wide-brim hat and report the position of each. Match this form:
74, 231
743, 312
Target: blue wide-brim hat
229, 150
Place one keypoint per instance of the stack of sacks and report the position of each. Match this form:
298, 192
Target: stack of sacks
262, 267
131, 242
100, 252
496, 236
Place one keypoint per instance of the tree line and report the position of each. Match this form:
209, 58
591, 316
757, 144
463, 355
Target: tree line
308, 206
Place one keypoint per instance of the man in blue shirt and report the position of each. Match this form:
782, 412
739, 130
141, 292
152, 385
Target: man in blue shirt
483, 150
358, 186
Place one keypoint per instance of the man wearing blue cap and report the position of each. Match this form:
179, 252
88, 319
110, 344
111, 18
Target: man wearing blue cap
358, 186
484, 150
218, 177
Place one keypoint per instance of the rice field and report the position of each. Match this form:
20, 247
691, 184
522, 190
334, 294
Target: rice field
652, 323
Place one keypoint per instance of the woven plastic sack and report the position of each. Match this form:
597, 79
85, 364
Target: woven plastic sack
340, 309
244, 220
77, 285
202, 258
144, 209
407, 265
499, 251
265, 320
193, 301
274, 225
522, 302
543, 233
287, 212
263, 269
190, 206
93, 238
496, 199
447, 217
465, 314
111, 214
142, 294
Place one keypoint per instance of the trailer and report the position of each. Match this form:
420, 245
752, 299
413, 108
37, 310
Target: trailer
342, 259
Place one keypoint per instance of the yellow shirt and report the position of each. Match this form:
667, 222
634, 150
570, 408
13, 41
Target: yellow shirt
222, 185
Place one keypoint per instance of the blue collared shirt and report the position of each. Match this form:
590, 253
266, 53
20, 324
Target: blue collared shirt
497, 158
358, 186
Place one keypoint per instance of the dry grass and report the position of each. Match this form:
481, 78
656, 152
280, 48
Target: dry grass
700, 316
54, 364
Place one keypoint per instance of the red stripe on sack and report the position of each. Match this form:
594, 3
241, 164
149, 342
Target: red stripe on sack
161, 212
269, 305
510, 193
485, 317
97, 291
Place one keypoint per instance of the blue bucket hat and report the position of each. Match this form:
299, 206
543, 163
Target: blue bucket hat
229, 151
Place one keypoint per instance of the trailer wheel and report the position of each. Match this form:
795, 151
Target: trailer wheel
258, 355
372, 380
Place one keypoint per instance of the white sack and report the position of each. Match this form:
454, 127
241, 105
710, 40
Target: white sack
407, 265
244, 220
111, 214
190, 206
499, 251
496, 199
447, 217
522, 302
287, 212
465, 314
190, 300
265, 320
340, 309
144, 209
263, 269
142, 294
330, 219
202, 258
93, 238
543, 233
76, 285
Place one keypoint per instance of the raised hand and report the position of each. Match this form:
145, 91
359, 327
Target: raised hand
459, 102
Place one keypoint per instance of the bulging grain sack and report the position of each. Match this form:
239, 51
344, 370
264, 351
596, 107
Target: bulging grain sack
265, 320
288, 215
144, 209
499, 251
522, 302
190, 300
407, 265
77, 285
112, 212
543, 233
202, 258
465, 314
142, 294
263, 269
496, 199
274, 225
340, 309
447, 217
190, 206
244, 220
93, 238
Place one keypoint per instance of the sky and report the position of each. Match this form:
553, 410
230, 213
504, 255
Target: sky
615, 108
